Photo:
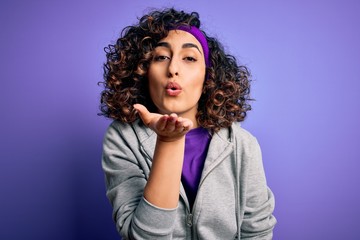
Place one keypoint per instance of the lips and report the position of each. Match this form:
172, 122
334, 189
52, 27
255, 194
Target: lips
173, 89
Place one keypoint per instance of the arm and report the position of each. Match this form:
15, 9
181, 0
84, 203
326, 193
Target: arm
163, 186
137, 217
258, 222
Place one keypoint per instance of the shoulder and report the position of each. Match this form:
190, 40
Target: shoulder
237, 135
242, 135
127, 131
117, 129
117, 126
246, 144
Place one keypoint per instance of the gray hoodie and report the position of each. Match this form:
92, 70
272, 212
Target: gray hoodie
232, 202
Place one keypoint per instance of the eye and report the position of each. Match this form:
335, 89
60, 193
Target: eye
190, 59
161, 58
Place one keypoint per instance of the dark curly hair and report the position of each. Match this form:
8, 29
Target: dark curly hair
225, 97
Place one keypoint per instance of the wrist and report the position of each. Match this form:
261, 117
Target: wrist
172, 139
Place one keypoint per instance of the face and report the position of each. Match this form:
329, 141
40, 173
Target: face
176, 74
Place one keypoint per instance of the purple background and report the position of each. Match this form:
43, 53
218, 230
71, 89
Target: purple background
304, 56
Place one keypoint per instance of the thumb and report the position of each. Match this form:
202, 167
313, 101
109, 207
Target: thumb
143, 112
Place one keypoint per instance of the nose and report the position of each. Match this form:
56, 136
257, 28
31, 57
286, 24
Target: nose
173, 69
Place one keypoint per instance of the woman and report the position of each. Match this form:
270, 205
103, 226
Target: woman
177, 164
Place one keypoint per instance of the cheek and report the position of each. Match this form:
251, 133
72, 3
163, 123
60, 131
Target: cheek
196, 90
198, 79
154, 87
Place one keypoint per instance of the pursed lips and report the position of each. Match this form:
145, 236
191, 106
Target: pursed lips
173, 89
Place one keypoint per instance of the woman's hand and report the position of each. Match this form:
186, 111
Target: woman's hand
168, 127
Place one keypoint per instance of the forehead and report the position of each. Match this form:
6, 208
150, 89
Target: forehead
179, 37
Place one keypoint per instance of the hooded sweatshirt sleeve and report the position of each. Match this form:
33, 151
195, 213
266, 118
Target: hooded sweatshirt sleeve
258, 221
126, 170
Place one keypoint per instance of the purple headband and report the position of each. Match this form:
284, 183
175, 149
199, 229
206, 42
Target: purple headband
200, 37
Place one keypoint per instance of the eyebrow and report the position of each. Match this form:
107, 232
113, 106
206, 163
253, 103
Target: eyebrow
185, 45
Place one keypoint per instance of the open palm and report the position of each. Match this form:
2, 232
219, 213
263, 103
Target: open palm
167, 127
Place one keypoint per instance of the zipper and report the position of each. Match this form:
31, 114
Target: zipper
189, 215
189, 219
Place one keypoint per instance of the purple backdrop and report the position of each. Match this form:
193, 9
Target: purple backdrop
305, 60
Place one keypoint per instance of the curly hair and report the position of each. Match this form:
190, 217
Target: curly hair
225, 97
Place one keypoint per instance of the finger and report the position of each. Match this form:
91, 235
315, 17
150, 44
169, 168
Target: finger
179, 125
143, 113
187, 125
171, 122
161, 124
